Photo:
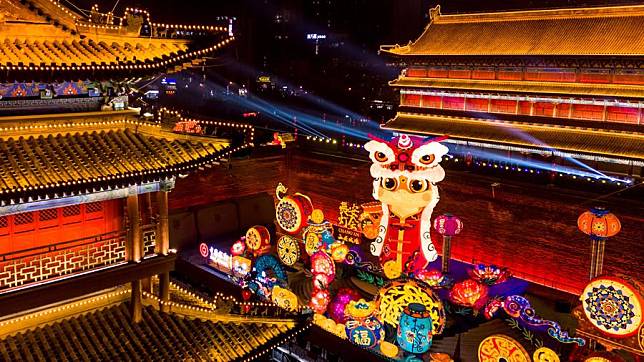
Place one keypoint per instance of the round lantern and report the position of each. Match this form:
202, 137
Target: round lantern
448, 225
599, 223
292, 211
414, 333
258, 240
321, 263
499, 347
284, 298
613, 306
288, 250
319, 301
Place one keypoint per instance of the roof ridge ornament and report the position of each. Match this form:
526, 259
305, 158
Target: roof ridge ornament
435, 12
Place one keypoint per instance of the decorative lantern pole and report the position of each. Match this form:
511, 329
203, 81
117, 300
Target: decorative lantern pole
600, 224
447, 225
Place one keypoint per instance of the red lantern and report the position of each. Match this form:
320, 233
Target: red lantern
469, 293
599, 223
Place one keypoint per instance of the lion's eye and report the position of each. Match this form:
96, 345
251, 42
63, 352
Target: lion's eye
389, 183
418, 186
380, 157
427, 159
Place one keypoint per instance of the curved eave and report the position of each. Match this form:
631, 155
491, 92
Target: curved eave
623, 145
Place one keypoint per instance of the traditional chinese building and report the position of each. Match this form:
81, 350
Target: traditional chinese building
85, 182
548, 85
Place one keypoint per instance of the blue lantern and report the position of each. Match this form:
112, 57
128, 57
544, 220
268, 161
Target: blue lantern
327, 238
414, 333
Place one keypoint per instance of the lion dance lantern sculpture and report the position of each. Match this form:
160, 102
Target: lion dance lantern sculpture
405, 171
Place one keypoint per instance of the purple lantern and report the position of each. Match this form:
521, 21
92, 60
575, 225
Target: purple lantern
447, 225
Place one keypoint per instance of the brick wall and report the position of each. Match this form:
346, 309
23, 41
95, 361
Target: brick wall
530, 229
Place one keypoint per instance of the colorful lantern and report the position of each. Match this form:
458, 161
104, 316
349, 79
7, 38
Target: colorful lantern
600, 224
269, 268
545, 354
489, 274
433, 278
469, 293
319, 300
339, 303
258, 240
393, 299
499, 347
613, 306
238, 248
370, 219
292, 212
339, 252
288, 250
318, 234
447, 225
414, 333
406, 171
284, 298
362, 327
240, 266
321, 263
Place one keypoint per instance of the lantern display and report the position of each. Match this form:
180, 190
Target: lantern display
599, 224
339, 303
288, 250
393, 299
292, 211
406, 170
489, 274
469, 293
414, 333
499, 347
339, 252
284, 298
269, 268
321, 263
545, 354
319, 300
613, 306
369, 220
238, 248
433, 278
362, 327
318, 234
240, 266
258, 240
447, 225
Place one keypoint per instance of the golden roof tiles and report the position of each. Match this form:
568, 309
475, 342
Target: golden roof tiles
607, 31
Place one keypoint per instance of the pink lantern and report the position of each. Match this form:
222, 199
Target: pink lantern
337, 306
447, 225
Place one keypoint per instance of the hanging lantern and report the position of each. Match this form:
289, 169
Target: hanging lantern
447, 225
414, 333
319, 301
469, 293
599, 223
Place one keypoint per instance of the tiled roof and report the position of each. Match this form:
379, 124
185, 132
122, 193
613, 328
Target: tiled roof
110, 335
46, 164
582, 89
615, 144
606, 31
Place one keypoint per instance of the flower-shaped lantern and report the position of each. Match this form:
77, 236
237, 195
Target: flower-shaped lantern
447, 225
599, 224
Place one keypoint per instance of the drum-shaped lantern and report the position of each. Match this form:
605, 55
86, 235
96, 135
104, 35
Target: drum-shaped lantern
599, 223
